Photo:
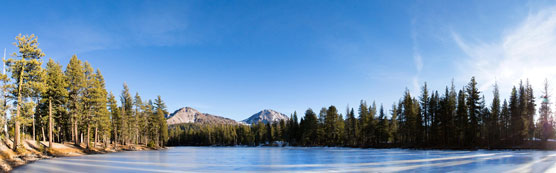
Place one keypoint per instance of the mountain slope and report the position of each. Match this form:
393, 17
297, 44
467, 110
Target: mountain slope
190, 115
266, 116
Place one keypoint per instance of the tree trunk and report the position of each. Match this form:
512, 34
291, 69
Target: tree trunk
43, 134
34, 128
6, 134
16, 133
88, 136
72, 132
49, 123
18, 112
115, 142
78, 142
96, 137
23, 132
59, 134
105, 141
136, 135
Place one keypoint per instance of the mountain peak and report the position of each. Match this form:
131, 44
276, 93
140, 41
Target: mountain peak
190, 115
266, 116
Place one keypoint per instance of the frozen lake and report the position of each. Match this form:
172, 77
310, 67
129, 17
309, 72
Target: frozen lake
290, 159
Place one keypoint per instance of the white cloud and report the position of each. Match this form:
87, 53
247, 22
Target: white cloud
417, 59
525, 51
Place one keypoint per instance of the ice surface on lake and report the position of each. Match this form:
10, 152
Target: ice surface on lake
293, 159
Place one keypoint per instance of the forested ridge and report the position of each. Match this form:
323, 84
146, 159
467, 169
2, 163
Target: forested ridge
452, 118
54, 104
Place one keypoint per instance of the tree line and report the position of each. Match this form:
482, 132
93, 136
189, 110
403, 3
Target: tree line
73, 105
457, 118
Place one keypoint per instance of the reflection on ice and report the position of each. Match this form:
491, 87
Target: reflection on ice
291, 159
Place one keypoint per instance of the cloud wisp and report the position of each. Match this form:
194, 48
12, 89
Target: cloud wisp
526, 51
417, 59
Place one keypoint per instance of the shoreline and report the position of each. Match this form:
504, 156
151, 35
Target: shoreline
549, 146
33, 151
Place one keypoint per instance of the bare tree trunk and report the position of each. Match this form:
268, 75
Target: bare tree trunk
18, 112
16, 133
104, 141
88, 136
23, 131
58, 135
96, 136
43, 134
33, 128
6, 134
115, 137
72, 132
78, 142
50, 123
136, 135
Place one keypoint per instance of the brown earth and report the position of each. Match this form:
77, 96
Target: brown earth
33, 151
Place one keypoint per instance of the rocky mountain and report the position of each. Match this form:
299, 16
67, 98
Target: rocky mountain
190, 115
266, 116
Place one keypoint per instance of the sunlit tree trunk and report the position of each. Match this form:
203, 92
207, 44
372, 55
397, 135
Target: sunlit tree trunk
18, 112
43, 134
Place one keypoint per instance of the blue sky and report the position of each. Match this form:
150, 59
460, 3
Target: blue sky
235, 58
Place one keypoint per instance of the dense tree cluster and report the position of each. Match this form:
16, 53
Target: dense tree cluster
72, 104
454, 119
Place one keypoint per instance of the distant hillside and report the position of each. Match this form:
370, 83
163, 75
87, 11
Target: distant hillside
266, 116
190, 115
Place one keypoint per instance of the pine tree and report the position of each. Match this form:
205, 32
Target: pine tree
95, 103
363, 121
27, 74
103, 115
89, 100
55, 97
493, 122
474, 111
352, 128
383, 127
484, 116
450, 116
506, 121
4, 107
394, 124
140, 119
425, 110
411, 123
530, 112
76, 82
547, 128
310, 126
127, 117
340, 131
160, 113
516, 122
115, 118
153, 124
461, 118
434, 119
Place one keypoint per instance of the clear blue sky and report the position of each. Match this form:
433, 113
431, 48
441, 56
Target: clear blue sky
235, 58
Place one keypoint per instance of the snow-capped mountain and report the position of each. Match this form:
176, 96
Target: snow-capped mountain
266, 116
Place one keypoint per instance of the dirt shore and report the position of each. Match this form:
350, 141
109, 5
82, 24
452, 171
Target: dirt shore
34, 150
